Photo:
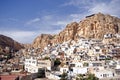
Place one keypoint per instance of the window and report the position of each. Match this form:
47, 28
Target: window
104, 75
71, 69
113, 74
33, 62
72, 65
97, 50
29, 61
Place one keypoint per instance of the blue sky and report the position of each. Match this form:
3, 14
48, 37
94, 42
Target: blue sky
23, 20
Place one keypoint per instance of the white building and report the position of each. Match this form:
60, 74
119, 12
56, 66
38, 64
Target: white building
104, 74
80, 70
108, 35
44, 64
32, 64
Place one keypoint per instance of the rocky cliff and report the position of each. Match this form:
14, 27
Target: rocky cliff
9, 42
93, 26
42, 40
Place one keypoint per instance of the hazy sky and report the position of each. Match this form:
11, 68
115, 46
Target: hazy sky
23, 20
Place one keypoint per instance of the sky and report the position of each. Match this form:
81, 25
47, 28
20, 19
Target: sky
24, 20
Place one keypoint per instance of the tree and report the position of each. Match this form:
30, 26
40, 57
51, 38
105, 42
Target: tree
8, 56
47, 58
86, 77
41, 73
85, 64
64, 76
92, 77
80, 77
57, 62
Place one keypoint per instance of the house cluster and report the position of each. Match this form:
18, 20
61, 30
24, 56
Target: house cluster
11, 66
99, 57
81, 57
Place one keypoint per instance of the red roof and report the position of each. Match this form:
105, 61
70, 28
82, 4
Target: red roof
8, 77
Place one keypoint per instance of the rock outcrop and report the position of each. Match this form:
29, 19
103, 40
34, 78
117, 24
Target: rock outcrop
93, 26
42, 40
97, 25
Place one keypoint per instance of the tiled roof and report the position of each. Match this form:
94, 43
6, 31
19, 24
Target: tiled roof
8, 77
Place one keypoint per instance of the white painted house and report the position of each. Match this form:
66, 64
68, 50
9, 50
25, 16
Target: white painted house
80, 70
32, 64
104, 74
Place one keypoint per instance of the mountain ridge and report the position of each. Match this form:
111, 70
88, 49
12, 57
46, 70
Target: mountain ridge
93, 26
6, 41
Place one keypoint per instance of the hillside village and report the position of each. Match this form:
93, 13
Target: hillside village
84, 56
97, 55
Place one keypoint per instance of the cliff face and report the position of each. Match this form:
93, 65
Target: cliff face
69, 33
9, 42
97, 25
93, 26
42, 40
